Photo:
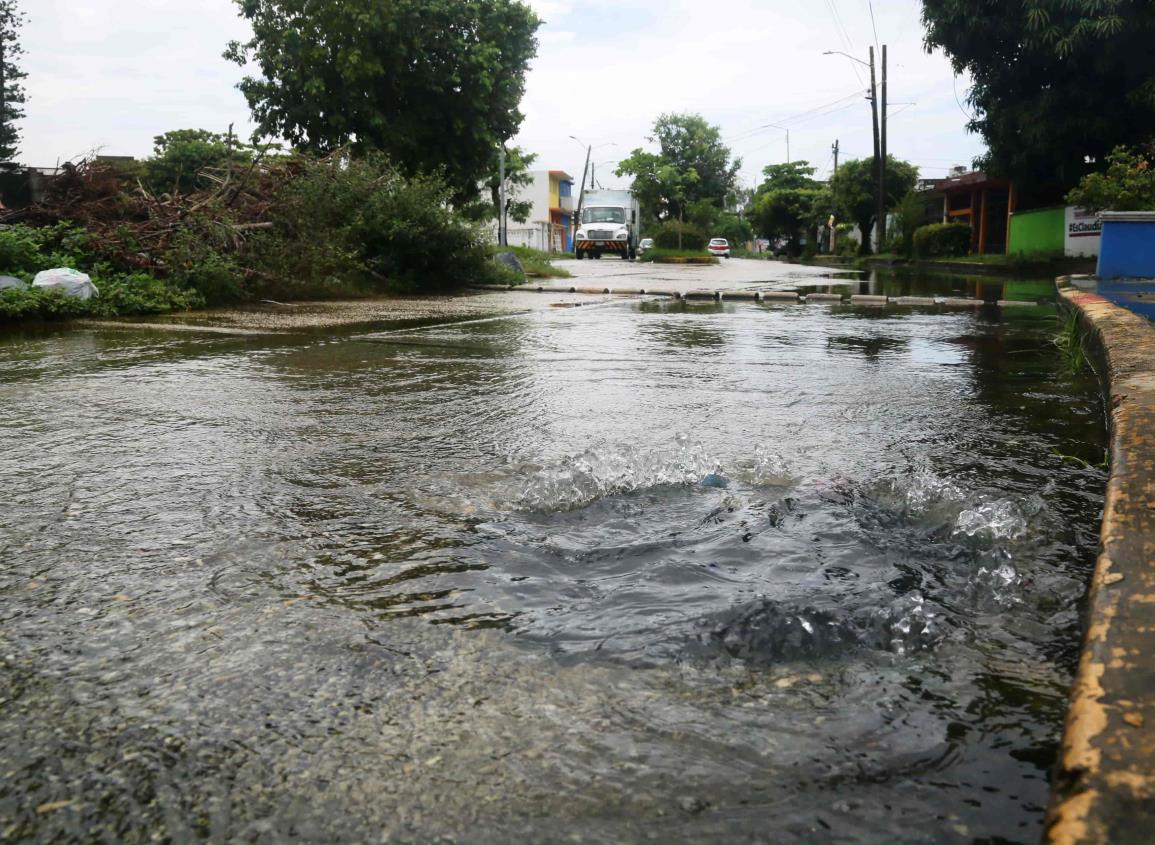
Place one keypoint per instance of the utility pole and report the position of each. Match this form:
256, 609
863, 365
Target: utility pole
879, 202
581, 197
3, 86
834, 225
882, 162
501, 236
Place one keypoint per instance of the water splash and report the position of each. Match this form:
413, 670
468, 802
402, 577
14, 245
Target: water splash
767, 469
579, 480
996, 520
926, 492
770, 632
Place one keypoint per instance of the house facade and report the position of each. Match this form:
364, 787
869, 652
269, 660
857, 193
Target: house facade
550, 224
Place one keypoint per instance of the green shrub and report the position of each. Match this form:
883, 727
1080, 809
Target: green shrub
666, 236
200, 259
1127, 184
909, 217
358, 224
20, 251
30, 249
942, 240
37, 304
139, 293
120, 295
673, 256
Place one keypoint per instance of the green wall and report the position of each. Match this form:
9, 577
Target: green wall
1038, 231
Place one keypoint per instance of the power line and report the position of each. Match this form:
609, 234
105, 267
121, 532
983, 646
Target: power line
840, 29
793, 120
969, 116
873, 25
815, 117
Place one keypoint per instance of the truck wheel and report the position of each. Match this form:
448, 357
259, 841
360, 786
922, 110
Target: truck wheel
625, 255
580, 255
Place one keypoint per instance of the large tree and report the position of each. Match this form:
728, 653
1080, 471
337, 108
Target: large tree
692, 166
435, 84
855, 188
1058, 84
789, 201
12, 96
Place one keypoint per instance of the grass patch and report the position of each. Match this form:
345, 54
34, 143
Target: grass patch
1071, 341
537, 264
673, 256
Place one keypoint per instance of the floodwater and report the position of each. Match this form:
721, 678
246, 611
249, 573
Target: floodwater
639, 572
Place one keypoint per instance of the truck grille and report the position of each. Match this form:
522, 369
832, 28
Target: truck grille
601, 235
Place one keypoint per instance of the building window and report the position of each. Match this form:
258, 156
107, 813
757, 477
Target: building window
565, 189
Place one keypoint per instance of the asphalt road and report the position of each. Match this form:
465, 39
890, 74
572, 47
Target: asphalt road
730, 274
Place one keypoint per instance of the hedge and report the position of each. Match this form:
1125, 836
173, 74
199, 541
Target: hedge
942, 240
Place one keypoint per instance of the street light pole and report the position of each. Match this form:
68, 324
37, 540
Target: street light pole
879, 139
878, 164
882, 159
585, 171
780, 129
502, 237
581, 194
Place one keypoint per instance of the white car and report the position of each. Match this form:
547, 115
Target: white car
645, 246
719, 247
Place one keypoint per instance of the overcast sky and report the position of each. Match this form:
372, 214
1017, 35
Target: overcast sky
111, 74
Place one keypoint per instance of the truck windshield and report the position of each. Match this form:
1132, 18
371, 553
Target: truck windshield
603, 215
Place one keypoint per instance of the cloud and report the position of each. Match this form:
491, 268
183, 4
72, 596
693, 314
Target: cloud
117, 72
551, 10
741, 64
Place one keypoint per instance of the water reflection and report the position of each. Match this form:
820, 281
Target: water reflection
990, 289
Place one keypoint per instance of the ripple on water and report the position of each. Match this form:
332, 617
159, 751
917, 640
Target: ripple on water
328, 590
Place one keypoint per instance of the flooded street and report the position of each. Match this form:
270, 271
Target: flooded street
636, 571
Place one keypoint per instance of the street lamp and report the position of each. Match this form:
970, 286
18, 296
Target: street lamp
781, 129
879, 134
594, 170
840, 53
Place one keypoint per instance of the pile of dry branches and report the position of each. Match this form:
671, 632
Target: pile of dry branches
133, 227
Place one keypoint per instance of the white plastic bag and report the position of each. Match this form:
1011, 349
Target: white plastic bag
70, 282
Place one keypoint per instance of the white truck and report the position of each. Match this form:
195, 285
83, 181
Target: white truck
608, 224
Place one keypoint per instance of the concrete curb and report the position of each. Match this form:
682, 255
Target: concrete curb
1104, 789
769, 296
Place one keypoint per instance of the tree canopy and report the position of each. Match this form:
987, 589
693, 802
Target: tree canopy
788, 201
517, 176
434, 84
12, 96
1056, 82
179, 157
1128, 183
854, 188
692, 166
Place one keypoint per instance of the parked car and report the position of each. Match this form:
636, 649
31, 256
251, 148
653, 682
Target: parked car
719, 247
645, 245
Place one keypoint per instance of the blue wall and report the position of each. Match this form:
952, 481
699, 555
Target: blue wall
1128, 250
